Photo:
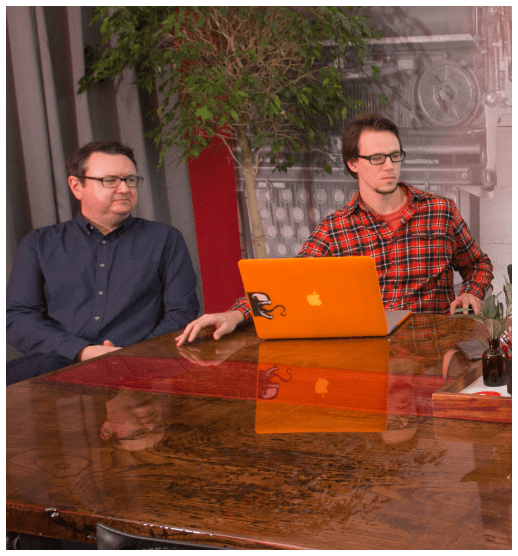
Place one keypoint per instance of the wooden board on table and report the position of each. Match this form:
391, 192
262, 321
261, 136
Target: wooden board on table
450, 403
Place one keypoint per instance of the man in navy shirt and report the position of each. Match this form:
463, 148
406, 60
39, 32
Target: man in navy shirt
102, 281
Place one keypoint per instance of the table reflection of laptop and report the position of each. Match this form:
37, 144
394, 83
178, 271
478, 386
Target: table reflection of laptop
322, 386
324, 297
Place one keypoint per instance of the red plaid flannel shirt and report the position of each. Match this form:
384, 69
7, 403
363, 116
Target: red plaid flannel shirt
415, 263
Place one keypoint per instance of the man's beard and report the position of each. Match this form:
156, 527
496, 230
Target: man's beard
391, 192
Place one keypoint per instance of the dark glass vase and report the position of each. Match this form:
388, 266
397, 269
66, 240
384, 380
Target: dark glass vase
508, 371
493, 364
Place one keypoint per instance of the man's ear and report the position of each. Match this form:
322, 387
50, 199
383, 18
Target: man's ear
76, 187
353, 165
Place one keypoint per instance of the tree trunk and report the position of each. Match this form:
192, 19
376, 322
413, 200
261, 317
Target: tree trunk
250, 173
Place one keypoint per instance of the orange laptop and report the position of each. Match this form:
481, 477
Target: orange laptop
330, 385
321, 297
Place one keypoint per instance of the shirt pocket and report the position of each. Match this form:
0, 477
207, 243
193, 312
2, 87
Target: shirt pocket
427, 251
366, 244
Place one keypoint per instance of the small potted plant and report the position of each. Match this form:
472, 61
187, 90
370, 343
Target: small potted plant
494, 318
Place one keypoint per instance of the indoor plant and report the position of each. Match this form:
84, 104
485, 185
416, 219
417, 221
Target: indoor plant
495, 320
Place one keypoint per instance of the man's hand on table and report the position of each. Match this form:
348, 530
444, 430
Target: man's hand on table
466, 300
216, 354
89, 352
225, 323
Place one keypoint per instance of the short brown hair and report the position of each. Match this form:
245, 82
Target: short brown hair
353, 131
75, 165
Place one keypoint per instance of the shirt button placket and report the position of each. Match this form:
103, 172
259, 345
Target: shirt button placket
101, 283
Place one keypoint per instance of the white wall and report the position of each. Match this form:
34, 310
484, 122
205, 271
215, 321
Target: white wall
496, 212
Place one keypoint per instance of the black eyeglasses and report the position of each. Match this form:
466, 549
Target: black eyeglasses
114, 181
375, 159
160, 428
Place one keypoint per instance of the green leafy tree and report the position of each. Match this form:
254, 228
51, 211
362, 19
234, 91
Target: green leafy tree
260, 76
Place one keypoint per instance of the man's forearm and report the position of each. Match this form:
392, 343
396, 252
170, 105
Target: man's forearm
477, 280
177, 316
30, 332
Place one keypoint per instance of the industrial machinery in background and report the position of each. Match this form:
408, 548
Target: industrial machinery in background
447, 75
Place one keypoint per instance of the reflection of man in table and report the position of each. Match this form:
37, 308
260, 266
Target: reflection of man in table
104, 280
135, 420
417, 239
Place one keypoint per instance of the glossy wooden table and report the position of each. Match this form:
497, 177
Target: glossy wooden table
242, 443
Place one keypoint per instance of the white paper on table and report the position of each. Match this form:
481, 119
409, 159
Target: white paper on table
479, 386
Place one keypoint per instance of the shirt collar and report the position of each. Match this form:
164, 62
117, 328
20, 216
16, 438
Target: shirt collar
88, 228
356, 202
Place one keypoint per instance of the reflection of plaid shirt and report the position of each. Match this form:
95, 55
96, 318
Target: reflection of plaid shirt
427, 338
415, 263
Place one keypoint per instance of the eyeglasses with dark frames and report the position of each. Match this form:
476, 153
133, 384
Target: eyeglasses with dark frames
160, 428
375, 159
112, 182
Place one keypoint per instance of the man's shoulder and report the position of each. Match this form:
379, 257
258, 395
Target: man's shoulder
427, 198
347, 209
156, 233
335, 217
339, 216
154, 226
48, 237
44, 232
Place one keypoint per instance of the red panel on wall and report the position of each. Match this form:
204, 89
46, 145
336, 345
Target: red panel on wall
213, 191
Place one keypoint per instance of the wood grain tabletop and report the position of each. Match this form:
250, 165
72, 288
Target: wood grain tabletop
243, 443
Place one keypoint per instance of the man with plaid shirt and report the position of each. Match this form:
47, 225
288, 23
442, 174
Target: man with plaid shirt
416, 239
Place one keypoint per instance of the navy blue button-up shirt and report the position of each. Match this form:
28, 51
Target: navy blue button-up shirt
72, 286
